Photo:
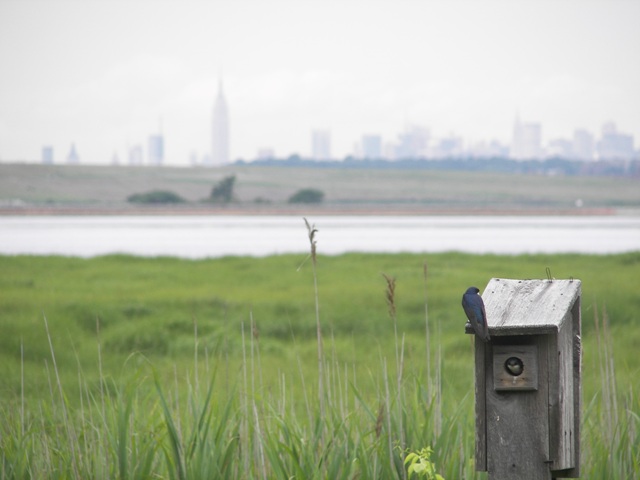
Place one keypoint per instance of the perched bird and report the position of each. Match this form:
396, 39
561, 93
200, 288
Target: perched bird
474, 308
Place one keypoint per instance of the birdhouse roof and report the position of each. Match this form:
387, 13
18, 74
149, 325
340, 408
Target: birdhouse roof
528, 307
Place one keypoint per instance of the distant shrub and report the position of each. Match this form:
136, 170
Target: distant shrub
222, 192
307, 195
155, 197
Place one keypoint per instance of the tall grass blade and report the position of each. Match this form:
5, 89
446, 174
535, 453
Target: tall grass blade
175, 460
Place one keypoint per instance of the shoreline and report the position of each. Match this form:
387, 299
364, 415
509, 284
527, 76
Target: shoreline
334, 210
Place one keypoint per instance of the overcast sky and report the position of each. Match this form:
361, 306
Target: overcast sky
105, 73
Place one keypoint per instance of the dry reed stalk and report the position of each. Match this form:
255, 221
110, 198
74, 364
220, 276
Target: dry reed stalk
379, 420
387, 408
255, 333
438, 386
610, 378
244, 426
390, 295
106, 451
259, 442
426, 324
391, 303
311, 230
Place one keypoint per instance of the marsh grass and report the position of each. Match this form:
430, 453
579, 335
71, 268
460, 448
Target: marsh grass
143, 429
612, 420
231, 411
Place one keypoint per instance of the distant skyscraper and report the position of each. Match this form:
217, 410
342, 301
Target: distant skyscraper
583, 145
450, 147
414, 143
135, 155
73, 157
614, 145
220, 130
156, 149
526, 143
266, 153
492, 149
321, 145
47, 154
371, 146
559, 148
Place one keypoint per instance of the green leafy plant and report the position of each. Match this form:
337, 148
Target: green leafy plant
420, 463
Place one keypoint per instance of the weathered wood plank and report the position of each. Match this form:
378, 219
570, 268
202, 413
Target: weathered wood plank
482, 353
519, 307
573, 424
517, 430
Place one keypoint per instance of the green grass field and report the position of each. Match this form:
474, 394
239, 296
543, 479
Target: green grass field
132, 367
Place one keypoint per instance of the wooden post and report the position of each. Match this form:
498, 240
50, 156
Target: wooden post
528, 380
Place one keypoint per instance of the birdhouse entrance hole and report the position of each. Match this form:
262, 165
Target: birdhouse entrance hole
515, 367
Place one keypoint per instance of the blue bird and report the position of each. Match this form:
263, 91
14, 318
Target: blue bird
474, 308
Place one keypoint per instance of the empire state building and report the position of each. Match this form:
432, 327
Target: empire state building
220, 131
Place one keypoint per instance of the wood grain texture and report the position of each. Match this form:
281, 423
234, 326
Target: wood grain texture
528, 307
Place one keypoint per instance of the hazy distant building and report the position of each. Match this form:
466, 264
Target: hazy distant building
449, 147
135, 155
47, 155
220, 131
321, 144
390, 151
615, 145
526, 143
156, 150
583, 145
266, 153
560, 148
371, 146
413, 143
73, 158
492, 149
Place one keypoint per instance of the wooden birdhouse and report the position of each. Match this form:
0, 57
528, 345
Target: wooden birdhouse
528, 380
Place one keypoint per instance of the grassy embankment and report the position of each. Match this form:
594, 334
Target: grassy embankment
209, 369
63, 187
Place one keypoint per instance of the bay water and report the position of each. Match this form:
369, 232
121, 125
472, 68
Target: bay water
202, 236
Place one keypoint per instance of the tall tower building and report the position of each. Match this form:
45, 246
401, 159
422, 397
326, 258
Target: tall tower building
526, 143
321, 145
583, 145
73, 158
220, 130
614, 144
371, 147
156, 149
413, 143
47, 155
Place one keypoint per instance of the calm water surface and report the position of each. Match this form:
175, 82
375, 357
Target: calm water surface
216, 236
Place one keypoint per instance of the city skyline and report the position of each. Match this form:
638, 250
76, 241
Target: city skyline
99, 74
415, 142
